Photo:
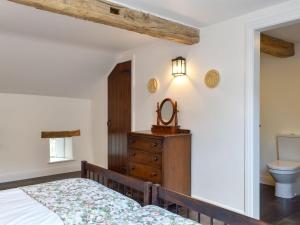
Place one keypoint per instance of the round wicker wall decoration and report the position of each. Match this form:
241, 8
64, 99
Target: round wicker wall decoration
212, 78
152, 85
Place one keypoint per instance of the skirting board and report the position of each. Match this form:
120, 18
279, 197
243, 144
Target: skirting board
57, 169
219, 204
267, 179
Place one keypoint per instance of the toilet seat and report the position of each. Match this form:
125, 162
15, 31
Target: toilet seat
284, 165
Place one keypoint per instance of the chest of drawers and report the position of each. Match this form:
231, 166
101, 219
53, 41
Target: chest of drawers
161, 158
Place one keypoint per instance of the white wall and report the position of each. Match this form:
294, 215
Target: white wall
42, 67
216, 117
99, 122
280, 108
23, 154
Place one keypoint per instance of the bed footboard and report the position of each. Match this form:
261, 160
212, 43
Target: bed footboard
198, 210
131, 187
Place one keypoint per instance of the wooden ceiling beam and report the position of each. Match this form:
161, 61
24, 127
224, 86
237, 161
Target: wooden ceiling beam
276, 47
108, 13
60, 134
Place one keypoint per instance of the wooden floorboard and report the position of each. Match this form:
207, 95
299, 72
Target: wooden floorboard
278, 211
38, 180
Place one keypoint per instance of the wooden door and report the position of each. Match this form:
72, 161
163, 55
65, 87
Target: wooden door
119, 116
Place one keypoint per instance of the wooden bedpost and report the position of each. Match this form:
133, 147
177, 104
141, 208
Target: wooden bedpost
105, 181
147, 193
155, 200
83, 169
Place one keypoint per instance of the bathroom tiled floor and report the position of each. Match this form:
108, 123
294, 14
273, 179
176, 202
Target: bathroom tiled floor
278, 211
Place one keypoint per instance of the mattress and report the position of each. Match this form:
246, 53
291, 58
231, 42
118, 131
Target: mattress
17, 208
82, 201
68, 202
78, 202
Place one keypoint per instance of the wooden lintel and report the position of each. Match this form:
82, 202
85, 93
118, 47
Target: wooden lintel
112, 14
276, 47
60, 134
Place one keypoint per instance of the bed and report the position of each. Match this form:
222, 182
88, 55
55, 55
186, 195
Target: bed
163, 200
105, 197
100, 196
198, 210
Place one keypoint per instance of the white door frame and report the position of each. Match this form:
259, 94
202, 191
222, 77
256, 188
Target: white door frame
279, 16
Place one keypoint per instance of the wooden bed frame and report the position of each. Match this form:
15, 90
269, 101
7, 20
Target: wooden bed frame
146, 193
193, 209
133, 188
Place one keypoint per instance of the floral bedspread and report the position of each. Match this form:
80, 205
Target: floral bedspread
86, 202
82, 201
153, 215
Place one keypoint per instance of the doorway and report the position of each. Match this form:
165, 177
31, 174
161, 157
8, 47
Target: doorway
280, 127
119, 116
275, 19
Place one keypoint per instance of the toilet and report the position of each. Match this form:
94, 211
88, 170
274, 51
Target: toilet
287, 177
286, 169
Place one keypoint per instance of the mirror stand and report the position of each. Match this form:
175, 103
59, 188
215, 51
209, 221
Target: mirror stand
167, 118
165, 129
160, 118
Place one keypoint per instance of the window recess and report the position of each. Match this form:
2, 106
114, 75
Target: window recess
60, 145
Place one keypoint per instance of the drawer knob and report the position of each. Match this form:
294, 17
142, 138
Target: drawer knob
132, 141
154, 145
154, 174
155, 158
133, 154
132, 168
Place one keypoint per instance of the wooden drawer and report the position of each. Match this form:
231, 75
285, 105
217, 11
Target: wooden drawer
147, 144
152, 159
145, 172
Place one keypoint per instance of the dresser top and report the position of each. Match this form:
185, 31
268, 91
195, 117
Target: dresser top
150, 133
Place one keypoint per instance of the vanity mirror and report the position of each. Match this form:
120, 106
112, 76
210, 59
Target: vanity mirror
167, 120
167, 112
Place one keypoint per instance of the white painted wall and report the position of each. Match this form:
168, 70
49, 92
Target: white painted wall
216, 117
99, 122
23, 154
43, 67
280, 107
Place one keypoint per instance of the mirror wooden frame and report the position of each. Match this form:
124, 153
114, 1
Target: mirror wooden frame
174, 112
170, 126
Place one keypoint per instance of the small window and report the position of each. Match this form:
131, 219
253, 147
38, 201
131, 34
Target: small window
60, 149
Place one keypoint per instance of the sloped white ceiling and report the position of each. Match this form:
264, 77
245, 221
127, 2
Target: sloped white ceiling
44, 53
24, 20
28, 21
200, 13
39, 67
49, 54
289, 33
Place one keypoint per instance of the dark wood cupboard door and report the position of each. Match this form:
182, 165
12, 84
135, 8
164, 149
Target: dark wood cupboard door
119, 116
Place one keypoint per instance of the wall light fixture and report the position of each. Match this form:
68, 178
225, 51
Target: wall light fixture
179, 66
